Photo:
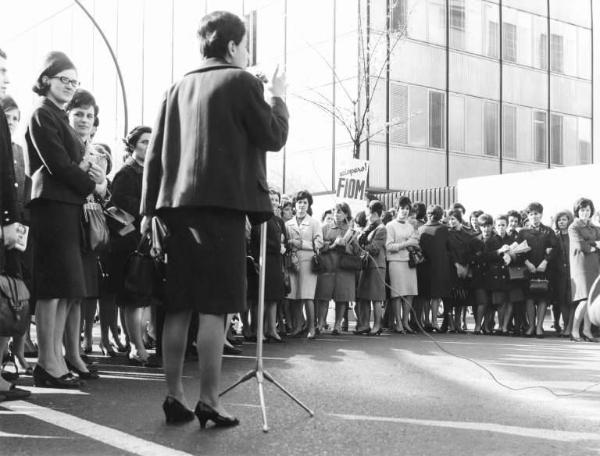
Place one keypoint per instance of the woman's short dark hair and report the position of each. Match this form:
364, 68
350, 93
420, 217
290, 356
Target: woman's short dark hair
460, 207
581, 203
420, 210
376, 206
515, 214
8, 103
134, 136
502, 217
216, 30
273, 191
303, 194
325, 214
83, 99
361, 219
404, 201
485, 220
456, 213
475, 214
436, 212
287, 204
345, 209
563, 213
536, 207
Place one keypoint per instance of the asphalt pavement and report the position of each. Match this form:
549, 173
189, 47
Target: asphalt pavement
387, 395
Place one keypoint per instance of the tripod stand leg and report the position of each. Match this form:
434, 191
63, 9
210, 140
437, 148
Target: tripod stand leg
287, 393
261, 396
247, 376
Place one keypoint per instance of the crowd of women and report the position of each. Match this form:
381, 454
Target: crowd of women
202, 172
421, 268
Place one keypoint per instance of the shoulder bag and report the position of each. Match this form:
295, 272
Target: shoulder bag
14, 306
95, 230
144, 275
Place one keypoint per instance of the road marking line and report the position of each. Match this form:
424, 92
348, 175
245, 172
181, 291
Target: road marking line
102, 434
537, 433
24, 436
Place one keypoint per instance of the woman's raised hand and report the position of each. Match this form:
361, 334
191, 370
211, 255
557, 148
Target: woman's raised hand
277, 84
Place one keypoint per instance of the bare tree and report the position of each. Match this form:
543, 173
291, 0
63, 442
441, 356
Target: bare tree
375, 48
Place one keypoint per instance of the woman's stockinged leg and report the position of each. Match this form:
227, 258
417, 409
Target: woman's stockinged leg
174, 342
397, 309
133, 321
72, 334
340, 310
62, 312
210, 355
45, 317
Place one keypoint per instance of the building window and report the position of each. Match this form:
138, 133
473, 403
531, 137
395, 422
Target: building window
437, 108
457, 24
509, 131
556, 139
456, 123
490, 128
398, 15
398, 113
539, 137
418, 105
543, 51
492, 40
584, 141
557, 53
251, 30
509, 37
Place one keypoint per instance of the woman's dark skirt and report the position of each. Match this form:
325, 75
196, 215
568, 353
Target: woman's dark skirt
274, 288
58, 266
206, 268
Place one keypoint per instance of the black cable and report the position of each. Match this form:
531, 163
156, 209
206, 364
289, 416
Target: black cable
476, 363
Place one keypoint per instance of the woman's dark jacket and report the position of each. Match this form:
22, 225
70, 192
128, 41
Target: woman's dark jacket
55, 151
8, 192
490, 272
210, 140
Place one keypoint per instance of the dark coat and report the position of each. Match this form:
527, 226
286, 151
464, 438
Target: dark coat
435, 271
210, 140
584, 263
8, 192
490, 272
540, 240
461, 250
54, 152
126, 190
274, 289
371, 284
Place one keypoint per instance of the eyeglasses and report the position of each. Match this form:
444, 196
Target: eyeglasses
66, 81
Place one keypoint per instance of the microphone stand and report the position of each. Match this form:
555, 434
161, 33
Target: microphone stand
259, 372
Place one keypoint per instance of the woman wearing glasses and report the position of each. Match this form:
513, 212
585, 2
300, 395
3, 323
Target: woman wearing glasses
61, 181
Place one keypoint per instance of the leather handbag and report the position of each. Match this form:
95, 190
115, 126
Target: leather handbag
14, 307
291, 262
316, 262
95, 229
415, 257
351, 262
517, 272
538, 286
144, 275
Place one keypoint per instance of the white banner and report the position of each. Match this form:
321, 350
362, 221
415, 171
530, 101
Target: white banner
351, 183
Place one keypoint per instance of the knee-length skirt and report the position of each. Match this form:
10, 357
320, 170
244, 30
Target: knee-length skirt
403, 279
303, 282
206, 267
58, 267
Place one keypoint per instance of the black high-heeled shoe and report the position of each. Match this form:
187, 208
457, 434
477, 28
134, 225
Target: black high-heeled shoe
91, 374
205, 412
176, 412
42, 379
108, 350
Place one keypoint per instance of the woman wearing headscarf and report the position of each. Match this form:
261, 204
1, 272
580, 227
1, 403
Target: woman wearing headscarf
61, 182
204, 173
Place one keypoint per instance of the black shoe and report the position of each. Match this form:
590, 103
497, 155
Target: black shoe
359, 332
227, 350
176, 412
205, 412
14, 394
43, 379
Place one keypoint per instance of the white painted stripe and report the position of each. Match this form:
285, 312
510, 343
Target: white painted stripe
62, 391
129, 377
537, 433
254, 357
25, 436
103, 434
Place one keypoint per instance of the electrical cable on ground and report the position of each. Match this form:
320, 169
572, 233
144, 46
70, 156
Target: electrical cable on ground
478, 364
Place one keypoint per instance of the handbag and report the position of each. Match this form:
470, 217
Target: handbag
316, 262
14, 307
118, 221
517, 272
144, 275
291, 261
538, 286
415, 257
351, 262
95, 230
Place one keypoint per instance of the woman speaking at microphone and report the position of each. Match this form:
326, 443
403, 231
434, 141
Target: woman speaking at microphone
205, 171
